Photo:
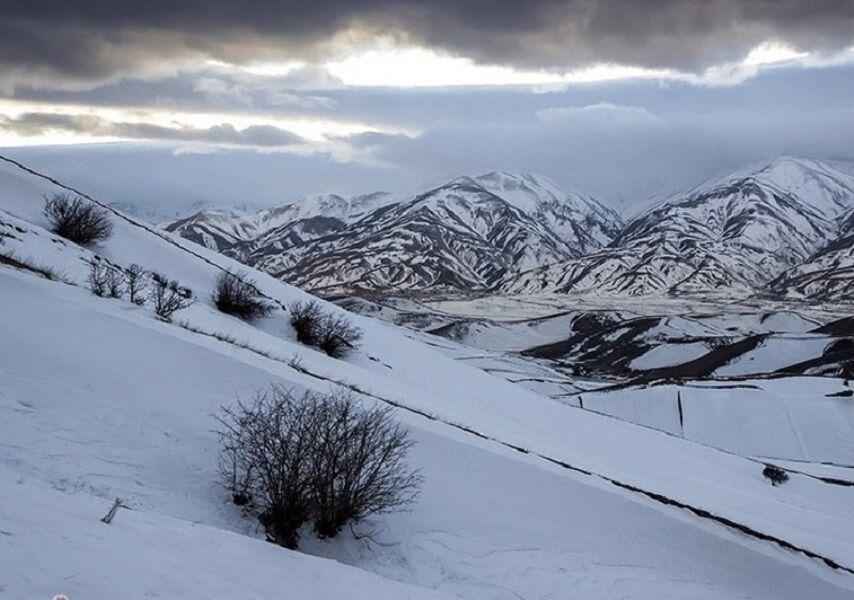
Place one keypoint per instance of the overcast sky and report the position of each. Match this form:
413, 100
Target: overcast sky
164, 103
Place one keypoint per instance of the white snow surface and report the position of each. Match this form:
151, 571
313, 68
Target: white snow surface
790, 419
775, 353
667, 355
101, 400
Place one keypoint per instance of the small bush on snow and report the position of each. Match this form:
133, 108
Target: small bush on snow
137, 282
333, 333
305, 317
775, 474
105, 280
359, 464
314, 457
236, 295
337, 335
169, 297
77, 219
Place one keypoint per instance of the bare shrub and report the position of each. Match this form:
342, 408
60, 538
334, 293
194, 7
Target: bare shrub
77, 219
169, 297
137, 281
296, 363
333, 333
236, 295
359, 464
115, 283
305, 317
775, 474
337, 335
98, 276
106, 280
266, 453
314, 457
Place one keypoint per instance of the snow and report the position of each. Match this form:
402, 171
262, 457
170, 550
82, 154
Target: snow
667, 355
791, 418
54, 543
775, 353
100, 399
151, 445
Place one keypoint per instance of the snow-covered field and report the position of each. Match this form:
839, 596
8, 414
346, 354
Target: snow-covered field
101, 400
790, 418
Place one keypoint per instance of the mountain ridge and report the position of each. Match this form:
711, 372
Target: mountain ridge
467, 234
736, 234
733, 234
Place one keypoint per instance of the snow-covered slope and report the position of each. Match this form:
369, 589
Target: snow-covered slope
100, 399
826, 276
794, 418
467, 235
729, 236
580, 220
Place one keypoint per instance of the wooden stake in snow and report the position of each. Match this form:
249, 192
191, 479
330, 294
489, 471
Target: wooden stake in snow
108, 518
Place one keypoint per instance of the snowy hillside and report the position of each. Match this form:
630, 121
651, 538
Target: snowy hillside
728, 236
469, 234
826, 276
523, 496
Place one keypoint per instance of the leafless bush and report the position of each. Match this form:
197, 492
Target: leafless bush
333, 333
77, 219
98, 276
305, 317
236, 295
169, 297
106, 280
295, 362
314, 457
266, 453
775, 474
337, 335
359, 464
137, 281
115, 283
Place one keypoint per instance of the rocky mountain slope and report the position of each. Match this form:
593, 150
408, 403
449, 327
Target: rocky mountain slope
219, 230
826, 276
469, 234
781, 228
730, 235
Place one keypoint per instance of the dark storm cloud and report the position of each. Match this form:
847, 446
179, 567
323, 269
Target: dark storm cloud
95, 40
32, 124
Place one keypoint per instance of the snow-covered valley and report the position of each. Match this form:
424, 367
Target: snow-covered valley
590, 484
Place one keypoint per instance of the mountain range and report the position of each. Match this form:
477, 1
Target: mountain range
783, 227
469, 234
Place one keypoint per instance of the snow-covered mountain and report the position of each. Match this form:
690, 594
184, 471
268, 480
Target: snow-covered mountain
469, 234
730, 235
220, 229
826, 276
